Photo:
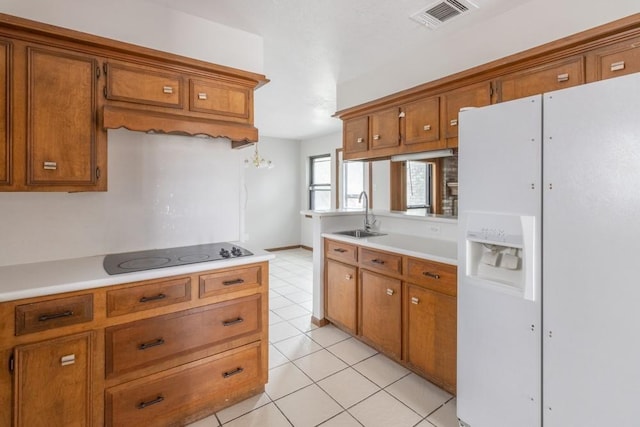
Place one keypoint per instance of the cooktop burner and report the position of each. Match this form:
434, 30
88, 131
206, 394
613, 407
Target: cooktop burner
128, 262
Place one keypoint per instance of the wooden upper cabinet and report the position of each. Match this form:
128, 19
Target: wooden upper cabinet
422, 124
226, 100
615, 60
356, 136
385, 132
143, 85
545, 78
61, 118
477, 95
5, 117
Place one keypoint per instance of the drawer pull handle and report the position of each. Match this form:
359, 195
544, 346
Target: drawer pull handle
377, 261
143, 405
150, 344
69, 359
46, 317
340, 250
156, 298
430, 274
51, 166
376, 137
617, 66
563, 77
233, 282
167, 89
360, 140
453, 122
202, 96
390, 291
232, 322
415, 300
426, 127
232, 373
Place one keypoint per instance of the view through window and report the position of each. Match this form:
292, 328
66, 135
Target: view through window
320, 182
418, 182
353, 184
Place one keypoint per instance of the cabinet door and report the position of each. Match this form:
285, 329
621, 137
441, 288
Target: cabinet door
143, 86
61, 114
52, 382
422, 124
222, 99
5, 102
615, 60
477, 95
341, 292
381, 313
547, 78
385, 129
356, 135
431, 335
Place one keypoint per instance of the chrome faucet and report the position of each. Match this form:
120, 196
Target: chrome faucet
367, 223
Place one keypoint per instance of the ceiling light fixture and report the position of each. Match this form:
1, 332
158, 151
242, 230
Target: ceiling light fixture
257, 161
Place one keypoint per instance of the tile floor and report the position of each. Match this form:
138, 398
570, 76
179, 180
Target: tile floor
324, 377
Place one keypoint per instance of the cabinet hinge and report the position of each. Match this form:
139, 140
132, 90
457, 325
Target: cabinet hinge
104, 91
491, 89
104, 68
97, 173
98, 72
11, 363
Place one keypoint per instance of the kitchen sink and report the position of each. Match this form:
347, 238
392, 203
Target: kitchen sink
359, 233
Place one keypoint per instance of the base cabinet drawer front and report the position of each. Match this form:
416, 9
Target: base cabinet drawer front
380, 261
55, 313
381, 311
148, 296
341, 251
430, 334
143, 86
433, 275
206, 385
231, 281
221, 99
341, 289
145, 342
52, 382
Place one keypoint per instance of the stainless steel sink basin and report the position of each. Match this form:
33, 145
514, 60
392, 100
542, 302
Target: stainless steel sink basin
359, 233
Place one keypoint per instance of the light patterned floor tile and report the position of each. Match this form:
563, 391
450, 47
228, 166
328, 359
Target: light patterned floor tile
445, 416
282, 331
320, 364
297, 347
348, 387
343, 419
243, 407
276, 358
383, 410
381, 370
291, 312
328, 335
418, 394
268, 415
352, 351
297, 408
285, 379
303, 323
211, 421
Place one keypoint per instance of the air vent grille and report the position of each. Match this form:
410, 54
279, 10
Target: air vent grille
438, 13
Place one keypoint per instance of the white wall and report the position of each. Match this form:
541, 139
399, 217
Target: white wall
272, 196
327, 144
531, 24
163, 190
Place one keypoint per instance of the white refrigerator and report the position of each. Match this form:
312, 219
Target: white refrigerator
549, 259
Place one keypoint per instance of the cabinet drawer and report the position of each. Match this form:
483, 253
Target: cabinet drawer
145, 342
210, 96
380, 261
165, 400
433, 275
148, 296
230, 281
341, 251
55, 313
618, 59
143, 86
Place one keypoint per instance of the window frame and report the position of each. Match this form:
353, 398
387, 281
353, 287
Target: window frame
316, 187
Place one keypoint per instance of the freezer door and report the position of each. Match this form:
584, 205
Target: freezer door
591, 249
499, 327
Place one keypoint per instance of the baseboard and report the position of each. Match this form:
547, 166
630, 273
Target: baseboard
319, 322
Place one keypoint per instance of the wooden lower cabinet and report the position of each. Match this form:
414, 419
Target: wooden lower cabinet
155, 352
341, 294
381, 312
406, 307
430, 335
199, 388
52, 382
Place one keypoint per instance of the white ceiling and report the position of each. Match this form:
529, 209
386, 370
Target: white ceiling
311, 46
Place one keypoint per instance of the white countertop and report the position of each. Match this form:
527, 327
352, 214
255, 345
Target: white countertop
439, 250
54, 277
385, 213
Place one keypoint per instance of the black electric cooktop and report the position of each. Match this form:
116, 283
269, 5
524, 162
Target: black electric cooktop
128, 262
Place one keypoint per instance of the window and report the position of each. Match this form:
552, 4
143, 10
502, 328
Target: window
320, 182
353, 184
418, 182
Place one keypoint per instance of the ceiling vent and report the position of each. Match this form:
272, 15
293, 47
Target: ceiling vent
438, 13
